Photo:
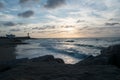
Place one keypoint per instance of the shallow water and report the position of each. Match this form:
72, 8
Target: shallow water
70, 50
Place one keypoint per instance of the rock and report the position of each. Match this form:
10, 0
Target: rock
65, 78
94, 61
113, 54
109, 56
4, 67
47, 58
115, 60
58, 60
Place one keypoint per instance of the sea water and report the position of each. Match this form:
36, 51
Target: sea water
70, 50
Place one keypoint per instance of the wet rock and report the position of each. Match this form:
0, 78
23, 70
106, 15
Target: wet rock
113, 54
109, 56
58, 60
47, 58
65, 78
4, 67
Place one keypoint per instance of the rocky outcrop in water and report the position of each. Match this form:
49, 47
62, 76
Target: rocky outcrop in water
103, 67
109, 56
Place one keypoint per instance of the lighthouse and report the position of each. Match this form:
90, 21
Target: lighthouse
28, 35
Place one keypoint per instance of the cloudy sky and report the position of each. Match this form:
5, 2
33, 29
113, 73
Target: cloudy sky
60, 18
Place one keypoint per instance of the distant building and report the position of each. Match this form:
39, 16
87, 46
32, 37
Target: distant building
10, 36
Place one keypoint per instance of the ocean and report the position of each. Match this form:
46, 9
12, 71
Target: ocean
71, 50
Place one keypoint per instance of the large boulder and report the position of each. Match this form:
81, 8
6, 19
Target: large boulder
47, 58
108, 56
113, 54
94, 61
4, 67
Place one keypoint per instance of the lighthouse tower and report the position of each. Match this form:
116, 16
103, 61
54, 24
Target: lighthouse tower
28, 35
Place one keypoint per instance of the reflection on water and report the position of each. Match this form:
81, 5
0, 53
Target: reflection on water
70, 52
24, 51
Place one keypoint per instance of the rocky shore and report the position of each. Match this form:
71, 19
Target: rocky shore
7, 48
103, 67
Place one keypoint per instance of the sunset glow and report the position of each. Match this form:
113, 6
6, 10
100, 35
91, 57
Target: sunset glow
60, 18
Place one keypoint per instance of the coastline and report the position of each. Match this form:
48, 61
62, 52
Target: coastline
103, 67
7, 53
7, 48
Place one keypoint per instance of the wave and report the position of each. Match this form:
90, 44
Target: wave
70, 52
92, 46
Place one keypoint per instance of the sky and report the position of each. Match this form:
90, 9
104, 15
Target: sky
60, 18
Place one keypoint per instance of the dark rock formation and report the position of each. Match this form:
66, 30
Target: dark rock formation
113, 54
102, 67
4, 67
48, 58
109, 56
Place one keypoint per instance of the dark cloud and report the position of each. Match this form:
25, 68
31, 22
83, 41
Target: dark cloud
44, 31
23, 1
15, 30
35, 28
44, 27
9, 24
26, 14
54, 3
67, 26
79, 21
1, 5
58, 32
26, 1
111, 19
47, 27
84, 28
112, 24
